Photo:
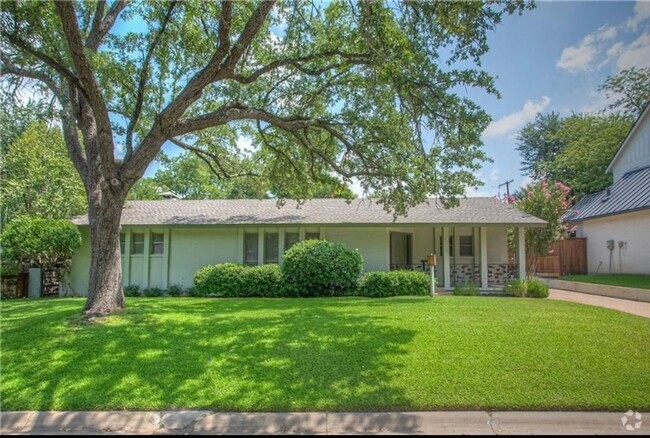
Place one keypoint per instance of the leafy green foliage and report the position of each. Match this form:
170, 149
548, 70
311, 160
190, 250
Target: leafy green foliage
516, 288
316, 268
536, 289
132, 290
394, 283
231, 280
590, 143
175, 290
467, 289
630, 88
548, 202
38, 178
538, 144
48, 243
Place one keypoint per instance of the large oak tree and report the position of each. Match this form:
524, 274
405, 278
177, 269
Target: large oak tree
365, 90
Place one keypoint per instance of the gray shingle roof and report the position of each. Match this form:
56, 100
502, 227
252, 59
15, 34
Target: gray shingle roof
630, 193
317, 211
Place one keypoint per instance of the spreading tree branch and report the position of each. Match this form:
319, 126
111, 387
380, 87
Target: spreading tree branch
103, 24
207, 156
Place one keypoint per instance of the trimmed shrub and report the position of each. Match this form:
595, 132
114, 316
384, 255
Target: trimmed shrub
467, 289
233, 280
318, 268
394, 283
132, 290
516, 288
263, 281
192, 292
536, 289
174, 290
153, 292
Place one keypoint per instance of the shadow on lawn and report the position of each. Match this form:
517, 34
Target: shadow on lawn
256, 355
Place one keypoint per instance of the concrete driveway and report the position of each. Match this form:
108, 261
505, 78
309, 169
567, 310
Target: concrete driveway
634, 307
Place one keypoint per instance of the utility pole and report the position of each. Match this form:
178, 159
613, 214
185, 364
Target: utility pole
507, 184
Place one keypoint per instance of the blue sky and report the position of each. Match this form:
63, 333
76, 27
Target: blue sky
553, 58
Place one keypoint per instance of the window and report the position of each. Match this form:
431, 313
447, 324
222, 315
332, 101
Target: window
271, 248
315, 235
137, 243
122, 243
290, 239
157, 243
466, 246
251, 250
451, 246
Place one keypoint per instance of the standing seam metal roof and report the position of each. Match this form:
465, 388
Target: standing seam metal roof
630, 193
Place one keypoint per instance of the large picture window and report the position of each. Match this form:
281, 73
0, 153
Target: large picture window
312, 235
251, 249
271, 247
451, 246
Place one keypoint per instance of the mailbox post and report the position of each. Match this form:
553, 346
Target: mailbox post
432, 261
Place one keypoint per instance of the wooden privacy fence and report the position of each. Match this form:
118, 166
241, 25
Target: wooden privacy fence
566, 257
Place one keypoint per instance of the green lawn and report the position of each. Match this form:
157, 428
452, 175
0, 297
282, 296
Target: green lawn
325, 354
627, 280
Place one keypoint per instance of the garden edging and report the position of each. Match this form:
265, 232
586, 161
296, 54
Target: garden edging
625, 293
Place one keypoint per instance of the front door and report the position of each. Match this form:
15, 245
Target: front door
400, 250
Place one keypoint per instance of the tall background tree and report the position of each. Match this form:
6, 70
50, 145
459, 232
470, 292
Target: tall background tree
359, 89
38, 178
629, 89
538, 144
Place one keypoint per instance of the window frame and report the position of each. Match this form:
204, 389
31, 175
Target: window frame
470, 245
122, 243
286, 242
135, 243
267, 246
256, 246
154, 243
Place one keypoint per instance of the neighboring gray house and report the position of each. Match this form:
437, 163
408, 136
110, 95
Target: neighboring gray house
616, 221
165, 242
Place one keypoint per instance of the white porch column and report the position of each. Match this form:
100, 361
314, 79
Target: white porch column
521, 251
446, 258
146, 256
484, 266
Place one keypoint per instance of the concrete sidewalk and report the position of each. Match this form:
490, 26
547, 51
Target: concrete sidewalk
634, 307
209, 422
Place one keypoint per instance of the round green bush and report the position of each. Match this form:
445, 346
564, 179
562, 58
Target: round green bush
233, 280
318, 268
467, 289
394, 283
536, 289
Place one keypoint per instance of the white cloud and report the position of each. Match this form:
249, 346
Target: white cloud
636, 54
583, 56
245, 144
516, 120
494, 175
641, 13
524, 182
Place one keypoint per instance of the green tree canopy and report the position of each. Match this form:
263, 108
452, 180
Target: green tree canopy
630, 90
360, 89
538, 144
38, 178
48, 243
590, 144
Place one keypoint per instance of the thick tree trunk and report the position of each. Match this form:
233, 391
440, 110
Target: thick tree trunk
105, 293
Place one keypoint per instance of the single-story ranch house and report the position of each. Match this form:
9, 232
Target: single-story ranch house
165, 242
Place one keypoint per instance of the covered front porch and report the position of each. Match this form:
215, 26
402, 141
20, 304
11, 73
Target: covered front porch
473, 254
